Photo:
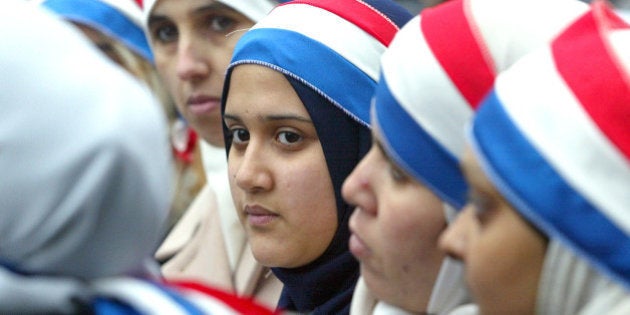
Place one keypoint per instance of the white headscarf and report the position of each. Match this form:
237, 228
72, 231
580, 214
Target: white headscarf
582, 289
84, 158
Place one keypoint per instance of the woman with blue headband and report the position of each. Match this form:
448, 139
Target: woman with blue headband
295, 108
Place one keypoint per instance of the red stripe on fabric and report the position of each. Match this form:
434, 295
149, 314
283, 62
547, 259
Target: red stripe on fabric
588, 65
242, 305
450, 37
362, 15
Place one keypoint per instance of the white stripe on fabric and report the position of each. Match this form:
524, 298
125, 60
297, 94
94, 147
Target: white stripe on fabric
331, 30
253, 9
424, 90
549, 115
507, 46
620, 43
144, 296
208, 303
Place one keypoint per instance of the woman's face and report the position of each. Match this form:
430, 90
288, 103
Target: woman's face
278, 174
192, 44
503, 255
395, 229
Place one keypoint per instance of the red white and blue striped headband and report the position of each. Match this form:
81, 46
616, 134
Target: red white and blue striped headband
349, 36
554, 138
440, 66
118, 19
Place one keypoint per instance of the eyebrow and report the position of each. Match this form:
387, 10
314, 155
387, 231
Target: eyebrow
475, 184
156, 19
215, 6
381, 148
277, 117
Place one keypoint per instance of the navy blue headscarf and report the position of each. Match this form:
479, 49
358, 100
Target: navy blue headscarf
329, 50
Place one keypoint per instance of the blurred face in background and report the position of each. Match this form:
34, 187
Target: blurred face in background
502, 253
278, 174
192, 42
395, 228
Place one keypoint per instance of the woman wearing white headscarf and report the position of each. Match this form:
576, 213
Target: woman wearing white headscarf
409, 186
85, 183
192, 42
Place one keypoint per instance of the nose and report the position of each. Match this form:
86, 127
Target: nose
454, 241
191, 63
251, 171
357, 188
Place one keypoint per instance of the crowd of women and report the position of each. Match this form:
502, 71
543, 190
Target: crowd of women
471, 158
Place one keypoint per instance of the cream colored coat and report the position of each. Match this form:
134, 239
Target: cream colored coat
196, 249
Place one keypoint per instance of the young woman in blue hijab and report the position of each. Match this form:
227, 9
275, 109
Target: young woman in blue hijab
295, 109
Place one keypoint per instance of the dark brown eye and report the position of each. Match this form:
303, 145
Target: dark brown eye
287, 137
165, 34
221, 24
240, 135
397, 174
481, 204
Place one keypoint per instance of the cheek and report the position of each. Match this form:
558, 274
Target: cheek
503, 267
411, 223
233, 165
305, 187
310, 202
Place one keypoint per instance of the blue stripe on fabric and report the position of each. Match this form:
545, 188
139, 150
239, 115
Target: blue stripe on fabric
416, 151
394, 11
106, 19
104, 306
536, 190
179, 299
311, 62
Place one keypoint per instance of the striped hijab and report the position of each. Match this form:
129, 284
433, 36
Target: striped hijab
438, 69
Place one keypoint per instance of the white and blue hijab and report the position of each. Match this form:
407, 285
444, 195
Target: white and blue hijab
317, 45
553, 137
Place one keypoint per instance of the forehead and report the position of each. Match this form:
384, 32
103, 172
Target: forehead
256, 88
476, 176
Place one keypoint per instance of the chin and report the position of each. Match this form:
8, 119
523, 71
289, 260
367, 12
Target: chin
266, 255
